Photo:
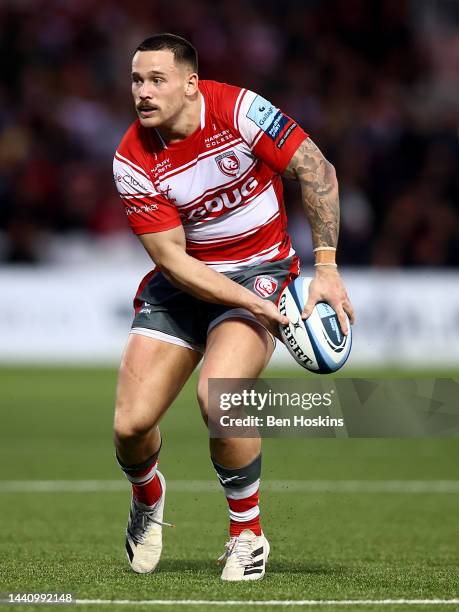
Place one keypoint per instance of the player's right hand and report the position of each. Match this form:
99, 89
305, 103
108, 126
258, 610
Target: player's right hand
269, 316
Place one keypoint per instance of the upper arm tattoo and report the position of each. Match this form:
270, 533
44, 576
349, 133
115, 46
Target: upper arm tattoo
319, 189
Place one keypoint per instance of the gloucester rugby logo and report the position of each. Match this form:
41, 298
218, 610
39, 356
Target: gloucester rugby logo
265, 285
228, 163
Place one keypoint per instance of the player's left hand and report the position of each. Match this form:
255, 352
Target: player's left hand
327, 286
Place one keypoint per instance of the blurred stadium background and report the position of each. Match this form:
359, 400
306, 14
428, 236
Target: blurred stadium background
376, 85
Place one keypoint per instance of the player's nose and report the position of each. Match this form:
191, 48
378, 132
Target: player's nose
145, 91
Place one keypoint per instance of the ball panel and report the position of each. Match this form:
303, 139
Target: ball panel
329, 356
294, 335
313, 326
316, 343
296, 290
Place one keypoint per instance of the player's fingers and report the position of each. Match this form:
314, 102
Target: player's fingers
349, 310
308, 307
276, 315
283, 320
272, 327
341, 318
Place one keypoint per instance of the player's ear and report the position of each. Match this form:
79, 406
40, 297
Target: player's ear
191, 84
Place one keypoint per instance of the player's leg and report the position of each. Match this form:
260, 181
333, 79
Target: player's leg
238, 348
151, 375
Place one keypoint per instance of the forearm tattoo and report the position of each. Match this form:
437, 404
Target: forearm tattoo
319, 189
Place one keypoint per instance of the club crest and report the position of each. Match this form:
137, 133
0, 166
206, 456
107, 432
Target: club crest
265, 285
228, 163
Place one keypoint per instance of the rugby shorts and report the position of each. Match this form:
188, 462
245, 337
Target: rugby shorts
167, 313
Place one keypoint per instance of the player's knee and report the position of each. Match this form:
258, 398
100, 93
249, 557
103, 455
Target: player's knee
224, 445
203, 395
128, 429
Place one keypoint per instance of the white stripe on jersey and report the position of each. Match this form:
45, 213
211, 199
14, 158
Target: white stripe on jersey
220, 149
260, 210
236, 108
137, 196
251, 129
242, 264
130, 163
203, 111
241, 235
237, 264
256, 139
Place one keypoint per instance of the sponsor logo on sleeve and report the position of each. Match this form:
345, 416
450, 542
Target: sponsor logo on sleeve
262, 113
267, 117
265, 285
278, 124
286, 134
228, 163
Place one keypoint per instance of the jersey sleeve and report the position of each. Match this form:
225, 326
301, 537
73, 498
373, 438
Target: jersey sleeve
272, 135
146, 209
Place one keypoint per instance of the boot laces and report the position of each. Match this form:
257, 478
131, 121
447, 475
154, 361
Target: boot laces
241, 547
141, 519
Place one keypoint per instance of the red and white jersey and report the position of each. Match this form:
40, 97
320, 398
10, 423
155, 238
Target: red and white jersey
222, 183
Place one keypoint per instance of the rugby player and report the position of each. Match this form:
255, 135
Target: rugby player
199, 174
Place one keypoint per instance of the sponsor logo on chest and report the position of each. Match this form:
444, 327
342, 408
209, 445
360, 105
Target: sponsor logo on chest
218, 139
225, 200
161, 167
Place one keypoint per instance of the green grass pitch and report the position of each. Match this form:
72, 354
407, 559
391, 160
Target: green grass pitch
56, 425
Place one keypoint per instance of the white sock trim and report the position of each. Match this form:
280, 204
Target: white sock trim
145, 479
247, 491
242, 517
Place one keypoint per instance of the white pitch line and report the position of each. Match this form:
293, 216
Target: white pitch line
274, 602
210, 486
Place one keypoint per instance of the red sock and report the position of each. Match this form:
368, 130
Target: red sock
146, 486
244, 510
148, 493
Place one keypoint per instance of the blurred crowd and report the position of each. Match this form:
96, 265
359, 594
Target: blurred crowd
375, 84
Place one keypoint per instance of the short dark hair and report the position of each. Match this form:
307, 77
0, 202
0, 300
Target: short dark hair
183, 51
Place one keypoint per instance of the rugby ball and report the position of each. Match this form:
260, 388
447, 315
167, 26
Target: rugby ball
317, 343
